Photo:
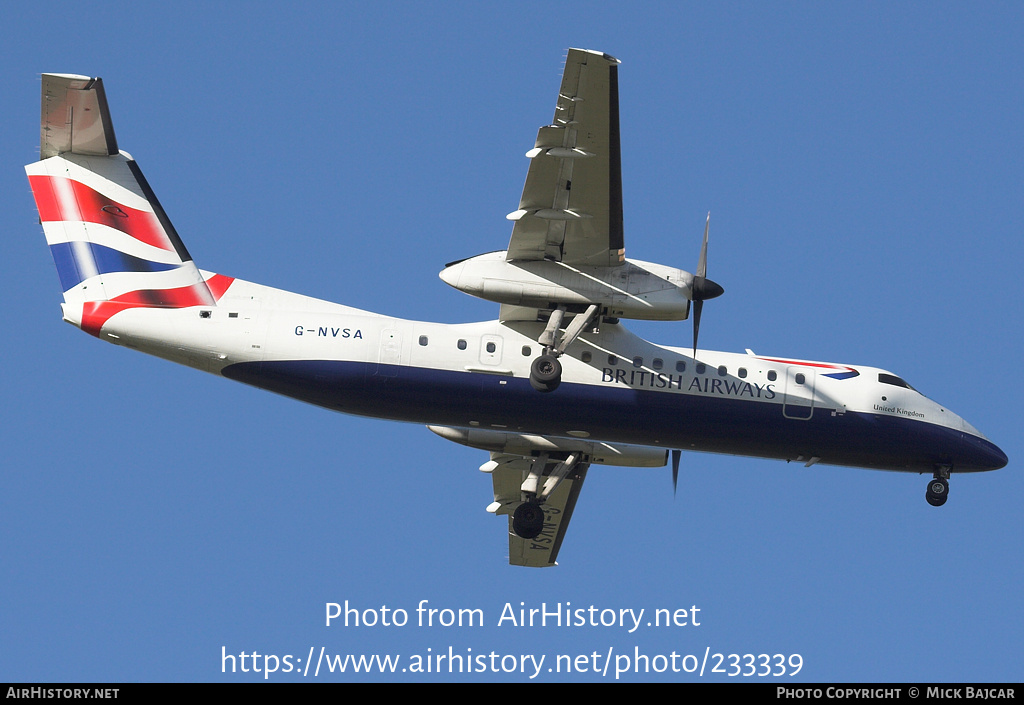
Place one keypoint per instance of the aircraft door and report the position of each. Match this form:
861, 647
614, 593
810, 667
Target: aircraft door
490, 349
390, 353
798, 402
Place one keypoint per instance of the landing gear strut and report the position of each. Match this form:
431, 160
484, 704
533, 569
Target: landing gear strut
545, 474
938, 488
546, 370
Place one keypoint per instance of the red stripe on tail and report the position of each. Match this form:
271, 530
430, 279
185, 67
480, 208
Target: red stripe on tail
96, 313
62, 199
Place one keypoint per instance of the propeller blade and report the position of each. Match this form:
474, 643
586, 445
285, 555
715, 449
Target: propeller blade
698, 306
675, 470
702, 287
702, 263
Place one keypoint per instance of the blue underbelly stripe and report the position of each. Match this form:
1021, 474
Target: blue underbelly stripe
667, 419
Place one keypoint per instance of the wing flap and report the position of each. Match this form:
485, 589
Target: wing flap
508, 313
571, 207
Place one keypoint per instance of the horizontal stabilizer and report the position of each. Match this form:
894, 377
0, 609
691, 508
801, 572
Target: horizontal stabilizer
75, 117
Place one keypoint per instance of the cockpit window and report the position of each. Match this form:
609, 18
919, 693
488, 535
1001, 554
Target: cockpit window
893, 380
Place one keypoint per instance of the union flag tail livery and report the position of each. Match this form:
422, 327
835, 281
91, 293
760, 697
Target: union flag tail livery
112, 243
553, 388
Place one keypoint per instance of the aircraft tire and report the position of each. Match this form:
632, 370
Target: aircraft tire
546, 373
544, 387
528, 520
937, 492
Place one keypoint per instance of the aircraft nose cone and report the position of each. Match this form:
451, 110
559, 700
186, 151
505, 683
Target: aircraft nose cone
982, 454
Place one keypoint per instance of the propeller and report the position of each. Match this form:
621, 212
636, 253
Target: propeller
702, 288
675, 470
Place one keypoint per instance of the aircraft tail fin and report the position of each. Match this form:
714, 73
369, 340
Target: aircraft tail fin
112, 243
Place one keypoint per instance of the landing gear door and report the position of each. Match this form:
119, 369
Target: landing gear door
798, 402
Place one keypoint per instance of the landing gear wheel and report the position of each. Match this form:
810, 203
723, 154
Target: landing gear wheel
937, 492
546, 373
528, 520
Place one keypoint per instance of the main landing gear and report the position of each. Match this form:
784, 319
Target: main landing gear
528, 520
938, 488
546, 370
545, 474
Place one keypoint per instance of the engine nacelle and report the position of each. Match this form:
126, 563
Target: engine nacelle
525, 444
635, 289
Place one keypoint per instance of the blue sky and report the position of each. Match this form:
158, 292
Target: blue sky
862, 164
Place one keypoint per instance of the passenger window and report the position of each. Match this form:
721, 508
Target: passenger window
680, 366
491, 347
462, 344
722, 371
772, 376
657, 363
799, 379
701, 368
526, 351
423, 340
586, 356
743, 372
638, 362
612, 360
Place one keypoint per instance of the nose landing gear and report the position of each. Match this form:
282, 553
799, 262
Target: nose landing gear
938, 488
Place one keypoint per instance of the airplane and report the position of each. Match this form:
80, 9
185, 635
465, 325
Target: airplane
555, 385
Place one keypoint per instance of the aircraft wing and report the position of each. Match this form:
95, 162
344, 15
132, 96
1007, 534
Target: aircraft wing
508, 478
571, 208
531, 472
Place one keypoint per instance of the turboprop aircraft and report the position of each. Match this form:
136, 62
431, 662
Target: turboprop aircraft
555, 385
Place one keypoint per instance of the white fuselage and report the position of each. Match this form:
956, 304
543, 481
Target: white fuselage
616, 387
